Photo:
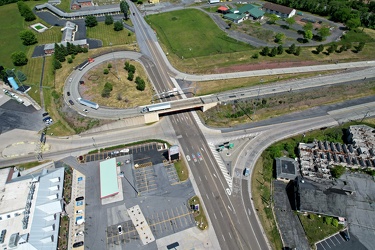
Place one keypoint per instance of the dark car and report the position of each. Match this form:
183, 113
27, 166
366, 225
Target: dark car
45, 114
81, 82
80, 198
71, 102
2, 236
345, 236
78, 244
68, 93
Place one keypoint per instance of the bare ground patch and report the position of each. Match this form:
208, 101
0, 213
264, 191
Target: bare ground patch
124, 93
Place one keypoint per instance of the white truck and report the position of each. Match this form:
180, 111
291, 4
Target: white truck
156, 107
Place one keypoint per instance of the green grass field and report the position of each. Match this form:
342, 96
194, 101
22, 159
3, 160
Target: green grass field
108, 35
191, 33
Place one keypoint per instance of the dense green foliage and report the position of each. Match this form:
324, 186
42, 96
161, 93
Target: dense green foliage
337, 171
117, 26
25, 11
344, 11
91, 21
19, 58
108, 20
141, 85
28, 37
124, 7
108, 87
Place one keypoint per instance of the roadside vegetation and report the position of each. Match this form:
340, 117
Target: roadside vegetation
318, 227
263, 176
199, 215
256, 109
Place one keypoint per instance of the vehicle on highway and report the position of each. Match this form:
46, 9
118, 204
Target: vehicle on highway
79, 211
81, 82
119, 228
125, 150
68, 93
2, 236
70, 79
80, 198
246, 172
88, 103
156, 107
200, 156
78, 244
188, 158
45, 114
71, 102
194, 158
85, 110
345, 236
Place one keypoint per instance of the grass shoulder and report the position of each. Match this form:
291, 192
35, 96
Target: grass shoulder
199, 215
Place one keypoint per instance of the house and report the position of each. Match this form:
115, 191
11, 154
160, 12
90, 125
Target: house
222, 9
84, 3
69, 31
247, 11
279, 10
75, 6
286, 168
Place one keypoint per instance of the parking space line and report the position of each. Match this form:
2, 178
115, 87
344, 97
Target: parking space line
178, 217
330, 238
337, 239
182, 209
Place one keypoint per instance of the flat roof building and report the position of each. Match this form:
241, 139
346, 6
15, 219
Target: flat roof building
108, 178
286, 168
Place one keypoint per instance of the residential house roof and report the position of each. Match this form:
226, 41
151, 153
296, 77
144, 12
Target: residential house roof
232, 16
277, 7
222, 8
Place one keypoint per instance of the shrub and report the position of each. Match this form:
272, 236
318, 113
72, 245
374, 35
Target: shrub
265, 51
109, 66
117, 26
255, 56
70, 60
105, 71
327, 220
337, 171
335, 222
130, 76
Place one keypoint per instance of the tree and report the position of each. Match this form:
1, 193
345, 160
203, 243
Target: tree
19, 58
292, 49
290, 21
280, 50
105, 71
323, 33
360, 46
124, 7
265, 51
29, 16
140, 83
56, 64
108, 20
255, 56
279, 37
308, 26
353, 23
273, 52
131, 68
130, 76
298, 51
273, 18
109, 66
308, 35
25, 11
70, 60
320, 48
91, 21
337, 171
327, 220
335, 222
28, 37
330, 49
117, 26
21, 76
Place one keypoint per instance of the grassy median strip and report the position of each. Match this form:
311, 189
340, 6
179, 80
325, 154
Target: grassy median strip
199, 215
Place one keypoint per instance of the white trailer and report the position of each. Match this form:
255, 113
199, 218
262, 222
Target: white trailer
213, 1
88, 103
159, 106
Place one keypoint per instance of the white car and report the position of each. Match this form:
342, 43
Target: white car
119, 229
188, 158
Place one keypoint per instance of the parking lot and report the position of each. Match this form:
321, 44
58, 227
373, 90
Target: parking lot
337, 242
145, 180
172, 174
162, 223
146, 153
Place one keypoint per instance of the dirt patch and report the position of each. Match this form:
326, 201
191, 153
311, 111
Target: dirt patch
264, 65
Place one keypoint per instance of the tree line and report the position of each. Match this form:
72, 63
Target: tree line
353, 13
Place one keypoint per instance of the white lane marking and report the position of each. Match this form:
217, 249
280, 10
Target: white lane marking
223, 237
215, 175
207, 196
213, 194
248, 211
202, 149
230, 236
206, 178
200, 178
221, 214
229, 208
215, 216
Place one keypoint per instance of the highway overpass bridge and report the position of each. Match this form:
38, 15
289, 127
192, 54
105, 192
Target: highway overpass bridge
202, 103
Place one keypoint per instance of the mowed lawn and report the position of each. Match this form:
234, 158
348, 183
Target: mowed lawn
108, 35
192, 33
